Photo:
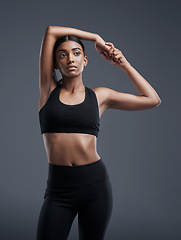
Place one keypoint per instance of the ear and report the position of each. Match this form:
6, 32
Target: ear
85, 61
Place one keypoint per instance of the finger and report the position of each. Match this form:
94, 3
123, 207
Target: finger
118, 55
108, 52
107, 42
105, 54
110, 44
113, 62
120, 58
108, 48
111, 52
116, 51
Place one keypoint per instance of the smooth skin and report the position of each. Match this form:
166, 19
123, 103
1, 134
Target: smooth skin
71, 148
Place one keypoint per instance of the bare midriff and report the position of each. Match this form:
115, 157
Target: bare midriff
71, 149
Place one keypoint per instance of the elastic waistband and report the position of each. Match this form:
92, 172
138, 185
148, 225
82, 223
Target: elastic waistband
76, 175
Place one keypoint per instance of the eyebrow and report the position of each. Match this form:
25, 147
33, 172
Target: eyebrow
65, 50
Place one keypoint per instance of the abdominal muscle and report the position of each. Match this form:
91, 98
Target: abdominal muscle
70, 149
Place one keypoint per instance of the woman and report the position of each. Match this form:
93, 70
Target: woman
69, 114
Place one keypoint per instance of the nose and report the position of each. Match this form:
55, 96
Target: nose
70, 57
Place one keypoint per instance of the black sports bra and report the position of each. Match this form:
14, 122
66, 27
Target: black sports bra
55, 116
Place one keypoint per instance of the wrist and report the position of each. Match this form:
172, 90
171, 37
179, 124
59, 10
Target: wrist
126, 66
97, 37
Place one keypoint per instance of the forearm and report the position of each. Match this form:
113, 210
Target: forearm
59, 32
141, 85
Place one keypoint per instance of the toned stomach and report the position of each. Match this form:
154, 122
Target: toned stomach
70, 149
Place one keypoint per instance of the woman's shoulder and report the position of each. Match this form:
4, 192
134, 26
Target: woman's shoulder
101, 94
101, 90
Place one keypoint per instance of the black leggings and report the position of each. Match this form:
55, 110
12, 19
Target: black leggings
84, 190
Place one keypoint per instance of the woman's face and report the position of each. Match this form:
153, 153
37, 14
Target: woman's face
67, 54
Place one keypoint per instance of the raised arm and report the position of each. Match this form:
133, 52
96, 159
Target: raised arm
52, 33
58, 32
46, 62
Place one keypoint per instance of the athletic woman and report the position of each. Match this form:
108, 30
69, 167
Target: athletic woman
69, 113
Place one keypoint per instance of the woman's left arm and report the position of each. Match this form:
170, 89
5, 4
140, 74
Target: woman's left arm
148, 97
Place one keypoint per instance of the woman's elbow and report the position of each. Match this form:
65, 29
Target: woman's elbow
157, 102
49, 29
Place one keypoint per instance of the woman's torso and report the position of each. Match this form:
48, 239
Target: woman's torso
72, 149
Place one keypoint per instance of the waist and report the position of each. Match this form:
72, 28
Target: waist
61, 175
70, 148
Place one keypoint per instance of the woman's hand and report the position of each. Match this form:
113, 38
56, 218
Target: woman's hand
115, 56
101, 47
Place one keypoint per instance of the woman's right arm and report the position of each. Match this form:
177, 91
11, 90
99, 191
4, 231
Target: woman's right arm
58, 32
100, 46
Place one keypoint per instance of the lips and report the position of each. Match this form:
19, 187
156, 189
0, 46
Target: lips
72, 66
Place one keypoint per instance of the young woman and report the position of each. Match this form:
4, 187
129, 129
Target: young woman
69, 114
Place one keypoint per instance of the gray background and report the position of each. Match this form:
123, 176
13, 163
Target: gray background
141, 149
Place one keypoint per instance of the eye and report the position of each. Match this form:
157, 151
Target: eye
61, 55
77, 53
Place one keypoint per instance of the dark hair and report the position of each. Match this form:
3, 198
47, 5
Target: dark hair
64, 39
